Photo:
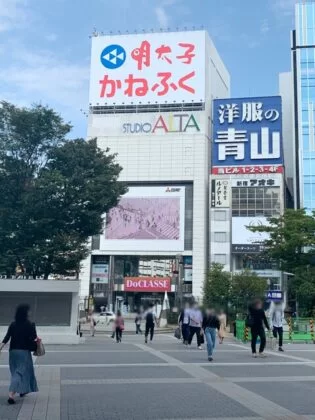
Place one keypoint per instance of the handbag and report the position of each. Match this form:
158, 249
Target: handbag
202, 339
177, 333
40, 351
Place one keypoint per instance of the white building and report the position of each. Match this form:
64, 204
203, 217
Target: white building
161, 138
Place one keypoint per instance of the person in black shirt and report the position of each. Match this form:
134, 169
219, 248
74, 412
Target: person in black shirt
23, 336
210, 324
258, 320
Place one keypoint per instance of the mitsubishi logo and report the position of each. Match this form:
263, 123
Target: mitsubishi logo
113, 56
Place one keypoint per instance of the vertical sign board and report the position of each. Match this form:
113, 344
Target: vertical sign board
220, 193
148, 68
100, 273
247, 136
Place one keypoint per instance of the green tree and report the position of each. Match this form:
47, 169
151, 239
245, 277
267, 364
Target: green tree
216, 288
302, 289
246, 285
54, 192
291, 239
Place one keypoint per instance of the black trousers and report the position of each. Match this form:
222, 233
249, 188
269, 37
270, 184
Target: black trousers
278, 331
185, 332
193, 331
149, 328
258, 332
138, 329
118, 334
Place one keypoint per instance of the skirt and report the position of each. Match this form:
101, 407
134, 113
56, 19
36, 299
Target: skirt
23, 379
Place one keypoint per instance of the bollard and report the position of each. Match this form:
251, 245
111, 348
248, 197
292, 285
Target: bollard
246, 330
312, 329
290, 328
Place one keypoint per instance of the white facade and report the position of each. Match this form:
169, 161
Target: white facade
50, 334
167, 157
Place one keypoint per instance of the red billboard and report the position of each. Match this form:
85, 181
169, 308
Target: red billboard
147, 284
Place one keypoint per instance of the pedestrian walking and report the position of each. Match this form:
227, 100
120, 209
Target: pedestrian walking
183, 323
222, 319
138, 321
210, 325
256, 320
23, 340
119, 326
92, 324
150, 321
195, 324
277, 317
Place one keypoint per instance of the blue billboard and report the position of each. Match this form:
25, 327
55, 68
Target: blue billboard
247, 132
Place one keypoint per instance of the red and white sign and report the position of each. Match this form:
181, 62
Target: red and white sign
147, 284
241, 170
148, 68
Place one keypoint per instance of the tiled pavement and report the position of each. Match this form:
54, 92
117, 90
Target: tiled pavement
102, 380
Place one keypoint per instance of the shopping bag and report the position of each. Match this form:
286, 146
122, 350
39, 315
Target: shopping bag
177, 333
271, 343
40, 351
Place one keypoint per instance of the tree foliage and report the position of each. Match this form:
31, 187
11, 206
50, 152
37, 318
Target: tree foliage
216, 290
54, 192
245, 286
292, 239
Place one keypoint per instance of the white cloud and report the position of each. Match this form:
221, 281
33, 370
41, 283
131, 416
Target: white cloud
284, 7
51, 37
13, 13
162, 16
264, 28
45, 78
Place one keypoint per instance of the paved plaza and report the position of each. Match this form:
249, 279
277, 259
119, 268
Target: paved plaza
101, 380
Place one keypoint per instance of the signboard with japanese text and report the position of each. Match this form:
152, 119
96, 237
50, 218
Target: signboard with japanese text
100, 273
243, 236
147, 68
255, 182
220, 193
246, 249
274, 295
247, 136
147, 219
146, 124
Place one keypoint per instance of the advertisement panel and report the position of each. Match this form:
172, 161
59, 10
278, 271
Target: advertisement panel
148, 124
220, 193
100, 273
188, 268
147, 284
148, 68
258, 182
246, 240
247, 133
147, 219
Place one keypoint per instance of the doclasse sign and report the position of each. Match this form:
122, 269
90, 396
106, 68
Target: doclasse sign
147, 284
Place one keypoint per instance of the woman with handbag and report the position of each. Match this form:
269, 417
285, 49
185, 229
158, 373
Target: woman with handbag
23, 336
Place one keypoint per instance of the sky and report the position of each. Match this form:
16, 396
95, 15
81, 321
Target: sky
45, 44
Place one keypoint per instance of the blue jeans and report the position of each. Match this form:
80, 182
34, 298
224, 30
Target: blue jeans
210, 334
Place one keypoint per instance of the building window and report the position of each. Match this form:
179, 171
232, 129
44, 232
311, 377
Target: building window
220, 258
251, 202
220, 216
220, 237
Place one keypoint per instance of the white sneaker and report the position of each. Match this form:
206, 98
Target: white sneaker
200, 348
254, 355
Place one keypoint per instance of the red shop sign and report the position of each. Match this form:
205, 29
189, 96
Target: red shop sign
147, 284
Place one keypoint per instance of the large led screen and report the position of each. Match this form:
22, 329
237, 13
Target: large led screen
147, 218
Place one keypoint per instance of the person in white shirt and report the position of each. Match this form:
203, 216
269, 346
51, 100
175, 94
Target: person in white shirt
195, 324
276, 318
